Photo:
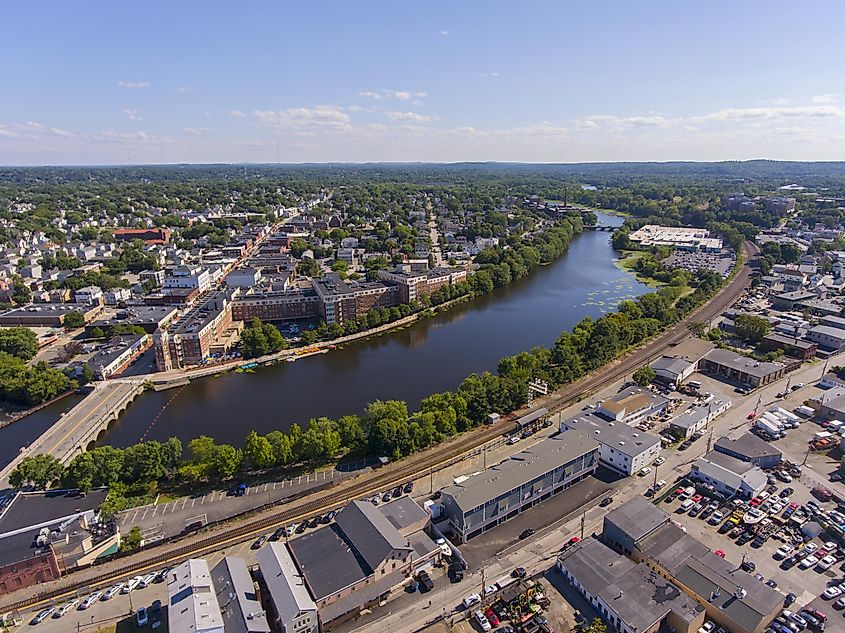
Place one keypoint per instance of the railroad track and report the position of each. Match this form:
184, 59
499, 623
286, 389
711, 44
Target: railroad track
389, 476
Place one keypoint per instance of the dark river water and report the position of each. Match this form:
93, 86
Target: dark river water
433, 355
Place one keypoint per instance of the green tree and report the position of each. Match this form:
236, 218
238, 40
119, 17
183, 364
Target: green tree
644, 376
752, 328
73, 320
259, 451
596, 626
38, 471
282, 451
227, 461
132, 541
81, 472
20, 342
21, 293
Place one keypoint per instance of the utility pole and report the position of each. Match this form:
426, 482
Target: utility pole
583, 524
824, 369
709, 441
806, 455
655, 478
431, 481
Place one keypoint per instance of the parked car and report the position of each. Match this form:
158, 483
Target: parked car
482, 621
142, 617
155, 613
89, 600
409, 487
471, 599
67, 606
526, 533
131, 584
606, 502
258, 542
425, 580
111, 592
43, 615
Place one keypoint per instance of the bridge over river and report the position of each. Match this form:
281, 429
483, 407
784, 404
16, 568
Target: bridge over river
83, 425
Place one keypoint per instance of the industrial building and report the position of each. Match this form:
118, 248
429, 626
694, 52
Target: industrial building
621, 447
629, 596
731, 477
632, 405
750, 448
331, 574
729, 596
742, 369
42, 534
696, 418
489, 498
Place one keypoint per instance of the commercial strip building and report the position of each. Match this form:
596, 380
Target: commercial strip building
750, 448
192, 600
732, 598
696, 417
149, 236
47, 314
489, 498
150, 318
237, 597
118, 354
791, 345
742, 369
631, 597
621, 447
363, 557
730, 476
680, 237
42, 534
829, 338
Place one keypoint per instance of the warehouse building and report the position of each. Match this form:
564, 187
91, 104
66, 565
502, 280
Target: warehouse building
621, 447
632, 405
497, 494
730, 476
742, 369
731, 597
750, 448
630, 597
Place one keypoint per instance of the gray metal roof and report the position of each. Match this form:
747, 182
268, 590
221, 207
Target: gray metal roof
284, 582
826, 330
618, 435
693, 415
32, 509
671, 546
642, 598
637, 518
235, 589
595, 565
747, 445
520, 469
327, 561
671, 365
371, 534
730, 470
743, 364
709, 575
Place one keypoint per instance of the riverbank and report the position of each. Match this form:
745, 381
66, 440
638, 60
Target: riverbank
178, 378
627, 262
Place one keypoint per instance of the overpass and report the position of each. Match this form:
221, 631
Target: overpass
84, 424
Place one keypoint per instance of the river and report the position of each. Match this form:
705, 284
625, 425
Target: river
433, 355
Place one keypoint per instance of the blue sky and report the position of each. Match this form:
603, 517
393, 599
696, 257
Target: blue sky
157, 82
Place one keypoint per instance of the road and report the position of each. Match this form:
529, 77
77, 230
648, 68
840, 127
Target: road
434, 459
434, 236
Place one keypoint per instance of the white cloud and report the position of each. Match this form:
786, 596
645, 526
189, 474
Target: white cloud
35, 125
409, 116
132, 115
321, 116
444, 32
5, 132
357, 108
237, 114
384, 93
57, 131
612, 122
134, 84
493, 74
196, 130
828, 98
184, 89
784, 112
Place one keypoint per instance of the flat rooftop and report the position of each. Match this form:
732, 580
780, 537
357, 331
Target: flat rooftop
637, 517
28, 509
328, 561
742, 364
595, 565
618, 435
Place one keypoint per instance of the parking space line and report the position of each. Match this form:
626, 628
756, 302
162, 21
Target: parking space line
184, 503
